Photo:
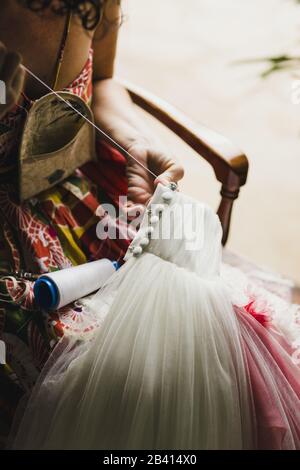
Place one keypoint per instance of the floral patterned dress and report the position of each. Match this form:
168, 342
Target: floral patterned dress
52, 231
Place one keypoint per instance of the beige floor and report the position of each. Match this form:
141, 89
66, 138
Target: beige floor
183, 50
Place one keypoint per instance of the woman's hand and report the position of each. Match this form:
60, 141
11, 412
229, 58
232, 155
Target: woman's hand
115, 114
141, 183
12, 75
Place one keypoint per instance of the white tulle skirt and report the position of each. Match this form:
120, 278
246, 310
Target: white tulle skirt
179, 361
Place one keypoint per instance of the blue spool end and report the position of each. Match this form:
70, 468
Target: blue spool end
116, 265
46, 293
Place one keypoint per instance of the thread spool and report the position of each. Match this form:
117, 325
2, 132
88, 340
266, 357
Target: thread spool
57, 289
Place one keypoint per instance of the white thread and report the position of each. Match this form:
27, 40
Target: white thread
88, 120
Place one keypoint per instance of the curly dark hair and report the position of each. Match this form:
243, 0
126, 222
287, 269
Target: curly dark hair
89, 11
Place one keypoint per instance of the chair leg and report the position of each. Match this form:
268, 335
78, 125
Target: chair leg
296, 295
225, 209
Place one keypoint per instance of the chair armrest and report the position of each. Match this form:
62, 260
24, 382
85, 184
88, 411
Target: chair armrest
229, 163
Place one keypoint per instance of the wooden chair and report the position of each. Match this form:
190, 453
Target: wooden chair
229, 163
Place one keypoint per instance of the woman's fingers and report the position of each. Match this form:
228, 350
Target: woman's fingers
173, 174
166, 168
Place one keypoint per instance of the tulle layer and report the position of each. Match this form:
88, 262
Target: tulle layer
212, 375
157, 375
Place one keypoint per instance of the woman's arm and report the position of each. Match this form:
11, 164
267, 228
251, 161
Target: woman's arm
115, 114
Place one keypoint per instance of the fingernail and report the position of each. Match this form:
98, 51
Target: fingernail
163, 181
